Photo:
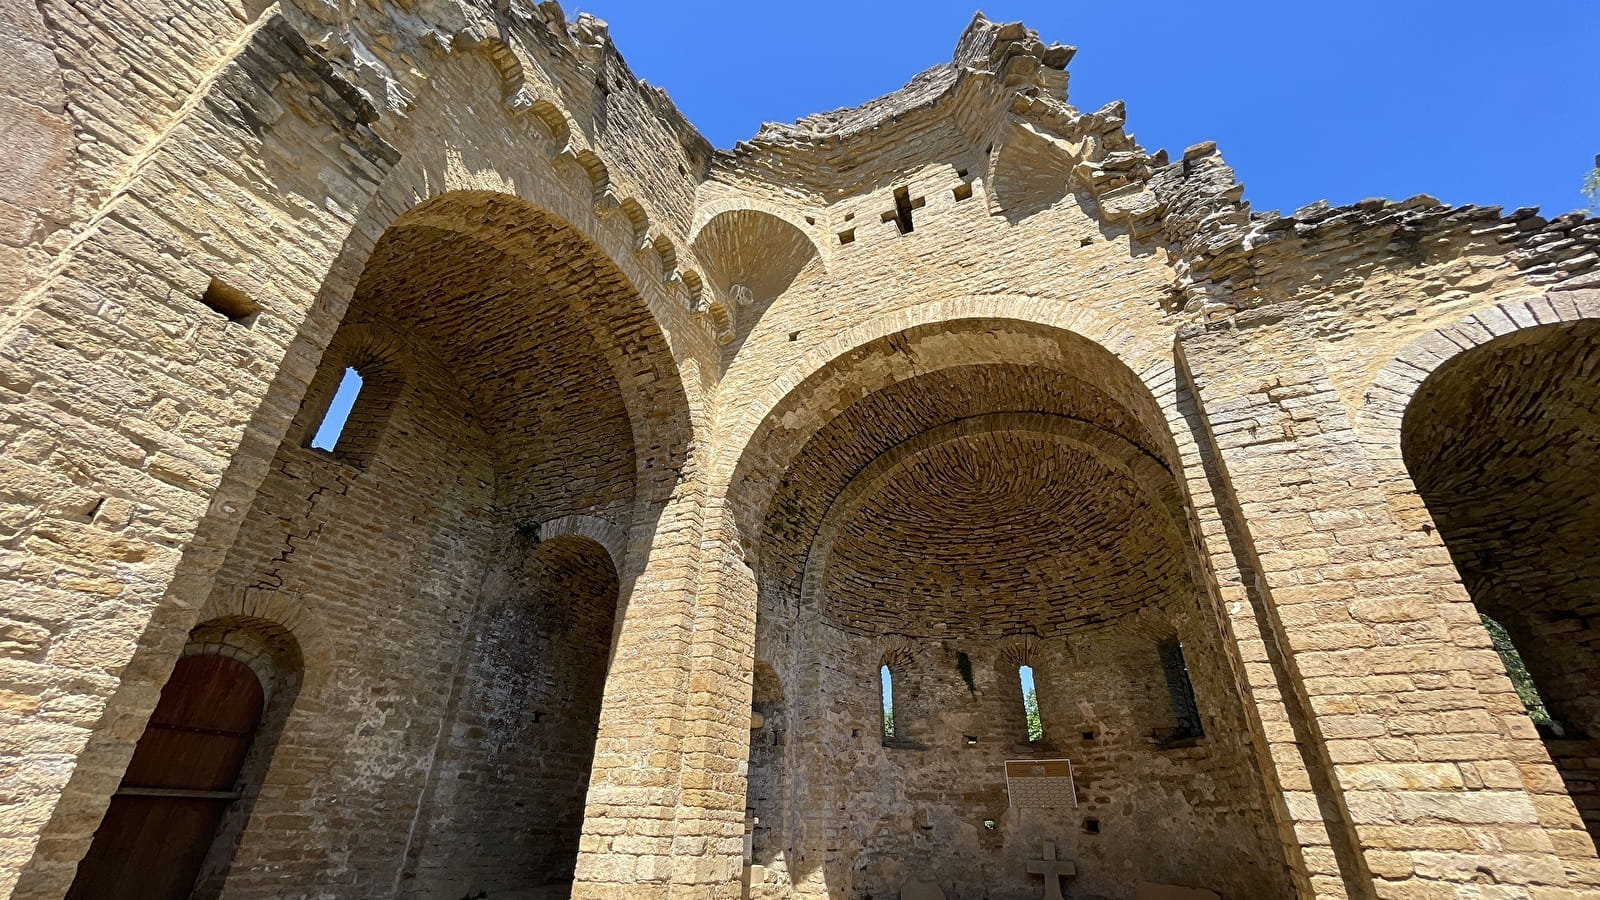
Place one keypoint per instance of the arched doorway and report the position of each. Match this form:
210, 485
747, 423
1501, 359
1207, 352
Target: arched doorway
972, 555
1503, 444
183, 776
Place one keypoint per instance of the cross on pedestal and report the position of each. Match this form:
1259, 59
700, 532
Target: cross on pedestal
1052, 869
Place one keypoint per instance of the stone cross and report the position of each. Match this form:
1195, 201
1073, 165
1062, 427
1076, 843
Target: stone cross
904, 203
1052, 869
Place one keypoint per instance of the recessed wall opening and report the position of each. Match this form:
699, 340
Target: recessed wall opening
230, 302
483, 376
904, 203
886, 701
1503, 445
182, 778
198, 766
1521, 679
339, 409
1030, 704
1180, 693
958, 586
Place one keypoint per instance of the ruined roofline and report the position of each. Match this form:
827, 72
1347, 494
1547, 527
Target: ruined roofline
587, 29
984, 46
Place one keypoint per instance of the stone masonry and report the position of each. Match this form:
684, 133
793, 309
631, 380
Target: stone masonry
664, 454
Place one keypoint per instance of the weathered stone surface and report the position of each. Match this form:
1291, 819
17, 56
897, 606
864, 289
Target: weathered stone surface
663, 452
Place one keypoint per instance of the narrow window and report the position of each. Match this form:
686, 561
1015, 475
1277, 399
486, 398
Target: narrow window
1527, 691
344, 400
1181, 690
887, 680
1030, 704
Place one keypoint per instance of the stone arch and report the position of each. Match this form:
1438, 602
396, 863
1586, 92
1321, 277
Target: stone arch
316, 277
1150, 365
1484, 434
724, 240
610, 536
1019, 358
504, 228
751, 257
710, 210
266, 626
1384, 405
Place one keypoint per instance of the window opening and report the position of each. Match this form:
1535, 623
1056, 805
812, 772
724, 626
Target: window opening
904, 203
333, 421
1181, 690
887, 680
1517, 669
1030, 703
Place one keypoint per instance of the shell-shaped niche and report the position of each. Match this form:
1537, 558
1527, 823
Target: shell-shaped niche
751, 257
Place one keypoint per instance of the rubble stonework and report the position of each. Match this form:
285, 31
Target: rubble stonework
662, 452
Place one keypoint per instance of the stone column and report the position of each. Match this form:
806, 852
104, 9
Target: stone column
709, 845
1317, 845
665, 811
1437, 771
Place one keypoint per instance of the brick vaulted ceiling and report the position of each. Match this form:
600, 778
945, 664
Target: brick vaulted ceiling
993, 531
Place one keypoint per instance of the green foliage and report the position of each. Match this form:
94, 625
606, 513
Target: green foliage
1591, 188
1518, 670
1030, 703
888, 724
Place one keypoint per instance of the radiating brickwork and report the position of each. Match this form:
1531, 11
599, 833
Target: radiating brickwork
663, 451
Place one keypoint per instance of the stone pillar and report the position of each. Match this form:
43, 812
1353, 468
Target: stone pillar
709, 846
1317, 844
1436, 769
665, 811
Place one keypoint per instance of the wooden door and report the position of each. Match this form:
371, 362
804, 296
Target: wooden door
183, 775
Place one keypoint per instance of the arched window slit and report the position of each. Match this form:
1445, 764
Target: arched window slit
338, 414
886, 681
1030, 703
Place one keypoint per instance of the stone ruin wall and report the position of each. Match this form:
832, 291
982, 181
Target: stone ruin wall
869, 813
156, 478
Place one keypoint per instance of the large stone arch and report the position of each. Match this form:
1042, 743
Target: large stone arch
760, 437
1384, 404
1480, 433
296, 328
1146, 356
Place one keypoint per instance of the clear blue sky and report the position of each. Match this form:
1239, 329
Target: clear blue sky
1470, 101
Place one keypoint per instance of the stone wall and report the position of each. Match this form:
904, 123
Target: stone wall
932, 803
957, 368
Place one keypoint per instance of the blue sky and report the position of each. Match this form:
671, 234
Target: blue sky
1472, 102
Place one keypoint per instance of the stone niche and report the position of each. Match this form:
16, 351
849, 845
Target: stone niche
928, 532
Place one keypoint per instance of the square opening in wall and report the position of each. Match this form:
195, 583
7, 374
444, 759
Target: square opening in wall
230, 302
